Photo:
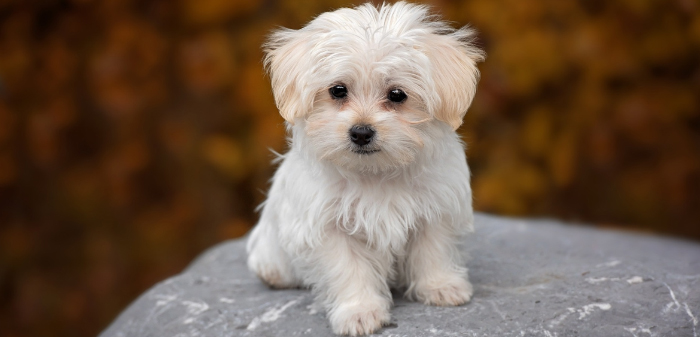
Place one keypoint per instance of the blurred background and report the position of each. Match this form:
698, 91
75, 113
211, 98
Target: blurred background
135, 134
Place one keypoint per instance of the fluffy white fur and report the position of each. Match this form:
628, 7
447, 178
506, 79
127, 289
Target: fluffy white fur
351, 225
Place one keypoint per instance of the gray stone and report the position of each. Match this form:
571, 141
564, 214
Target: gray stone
531, 278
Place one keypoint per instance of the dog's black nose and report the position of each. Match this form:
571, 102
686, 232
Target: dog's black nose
361, 134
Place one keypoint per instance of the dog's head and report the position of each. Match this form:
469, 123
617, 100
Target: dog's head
369, 87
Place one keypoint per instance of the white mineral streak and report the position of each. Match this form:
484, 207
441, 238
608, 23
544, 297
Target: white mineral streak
636, 279
673, 305
588, 309
692, 317
560, 318
636, 332
270, 315
194, 309
593, 280
612, 263
164, 299
633, 280
313, 310
226, 300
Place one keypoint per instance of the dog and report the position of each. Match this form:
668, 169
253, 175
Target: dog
374, 191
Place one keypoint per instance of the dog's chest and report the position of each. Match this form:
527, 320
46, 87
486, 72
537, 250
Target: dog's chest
380, 213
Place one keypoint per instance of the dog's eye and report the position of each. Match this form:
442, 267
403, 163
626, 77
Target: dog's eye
396, 96
338, 91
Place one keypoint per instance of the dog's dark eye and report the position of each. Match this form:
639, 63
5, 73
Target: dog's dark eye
396, 96
338, 91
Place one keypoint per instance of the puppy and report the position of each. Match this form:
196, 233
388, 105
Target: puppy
374, 192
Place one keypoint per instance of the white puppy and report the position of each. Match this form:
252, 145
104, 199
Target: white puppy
374, 192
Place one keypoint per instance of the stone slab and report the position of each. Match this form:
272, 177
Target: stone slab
531, 278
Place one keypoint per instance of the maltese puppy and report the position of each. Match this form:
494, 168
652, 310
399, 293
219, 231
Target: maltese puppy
374, 192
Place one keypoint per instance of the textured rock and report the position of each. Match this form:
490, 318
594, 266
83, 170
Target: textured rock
531, 278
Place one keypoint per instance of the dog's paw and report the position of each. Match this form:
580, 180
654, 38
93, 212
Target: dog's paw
456, 292
272, 274
276, 280
359, 319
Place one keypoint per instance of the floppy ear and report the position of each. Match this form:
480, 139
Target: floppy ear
286, 55
453, 58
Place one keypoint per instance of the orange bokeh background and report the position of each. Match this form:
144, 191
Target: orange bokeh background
135, 134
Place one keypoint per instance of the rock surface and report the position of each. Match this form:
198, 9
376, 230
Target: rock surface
531, 278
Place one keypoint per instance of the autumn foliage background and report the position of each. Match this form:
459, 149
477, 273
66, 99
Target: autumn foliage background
135, 134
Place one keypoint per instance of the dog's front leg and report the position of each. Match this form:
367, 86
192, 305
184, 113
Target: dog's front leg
267, 259
433, 268
351, 281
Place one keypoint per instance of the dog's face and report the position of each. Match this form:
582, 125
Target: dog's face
367, 88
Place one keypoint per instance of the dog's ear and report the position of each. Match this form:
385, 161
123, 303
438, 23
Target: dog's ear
286, 55
455, 74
